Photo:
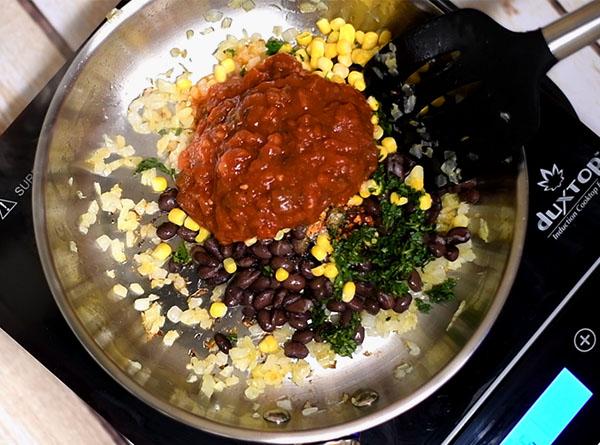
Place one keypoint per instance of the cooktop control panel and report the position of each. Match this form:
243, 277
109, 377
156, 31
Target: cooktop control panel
552, 393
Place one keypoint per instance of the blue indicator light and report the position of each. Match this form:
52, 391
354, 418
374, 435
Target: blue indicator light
551, 412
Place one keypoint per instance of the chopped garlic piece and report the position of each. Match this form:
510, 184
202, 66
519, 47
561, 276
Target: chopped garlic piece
170, 337
73, 246
103, 242
174, 314
117, 250
136, 289
152, 320
119, 290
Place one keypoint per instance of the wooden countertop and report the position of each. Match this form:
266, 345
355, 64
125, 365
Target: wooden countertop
36, 37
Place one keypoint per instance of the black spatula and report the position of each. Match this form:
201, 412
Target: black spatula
473, 83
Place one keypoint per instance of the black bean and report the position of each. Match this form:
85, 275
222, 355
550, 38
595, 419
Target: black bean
264, 261
359, 335
346, 318
281, 248
233, 296
294, 282
223, 343
274, 284
451, 253
386, 301
294, 349
173, 266
290, 298
261, 283
280, 295
264, 320
364, 289
263, 299
239, 250
207, 272
248, 312
402, 303
186, 234
227, 250
211, 245
305, 268
284, 263
279, 317
303, 336
372, 306
437, 249
371, 206
298, 321
414, 281
204, 259
166, 230
246, 262
248, 298
394, 164
328, 288
457, 235
299, 232
246, 277
167, 200
222, 276
336, 306
356, 304
261, 250
300, 246
299, 306
364, 266
317, 284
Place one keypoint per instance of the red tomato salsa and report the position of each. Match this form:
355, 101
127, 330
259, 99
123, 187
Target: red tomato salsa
273, 149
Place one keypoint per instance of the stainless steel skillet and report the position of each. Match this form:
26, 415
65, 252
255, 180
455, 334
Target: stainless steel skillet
109, 72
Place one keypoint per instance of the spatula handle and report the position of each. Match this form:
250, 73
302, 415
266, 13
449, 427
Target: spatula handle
573, 31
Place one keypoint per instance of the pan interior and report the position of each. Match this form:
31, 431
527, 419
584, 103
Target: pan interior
92, 100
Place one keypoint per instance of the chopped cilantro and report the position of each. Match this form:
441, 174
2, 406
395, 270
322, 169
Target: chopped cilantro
267, 271
181, 255
178, 131
163, 131
340, 338
232, 337
229, 51
149, 163
422, 305
442, 292
385, 123
273, 46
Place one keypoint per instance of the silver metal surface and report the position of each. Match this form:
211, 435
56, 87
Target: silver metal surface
574, 31
92, 99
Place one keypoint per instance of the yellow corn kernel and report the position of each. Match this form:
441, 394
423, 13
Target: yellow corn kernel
370, 187
347, 32
280, 234
189, 223
425, 201
302, 55
220, 73
202, 236
361, 56
177, 216
438, 102
324, 26
364, 191
251, 241
374, 119
229, 65
348, 291
330, 50
385, 37
314, 61
286, 48
324, 64
390, 144
377, 132
316, 48
360, 85
344, 47
340, 70
373, 103
319, 73
331, 271
162, 251
333, 37
183, 84
318, 270
355, 200
360, 35
398, 200
159, 184
337, 79
345, 60
337, 23
281, 274
354, 76
304, 38
416, 178
229, 265
323, 241
370, 40
268, 344
318, 252
217, 309
383, 153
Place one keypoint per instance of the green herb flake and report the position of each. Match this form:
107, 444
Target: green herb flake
232, 337
443, 292
229, 51
341, 338
178, 131
163, 131
267, 271
422, 305
149, 163
273, 46
181, 255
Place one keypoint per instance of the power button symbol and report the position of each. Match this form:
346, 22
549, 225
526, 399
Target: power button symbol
584, 340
